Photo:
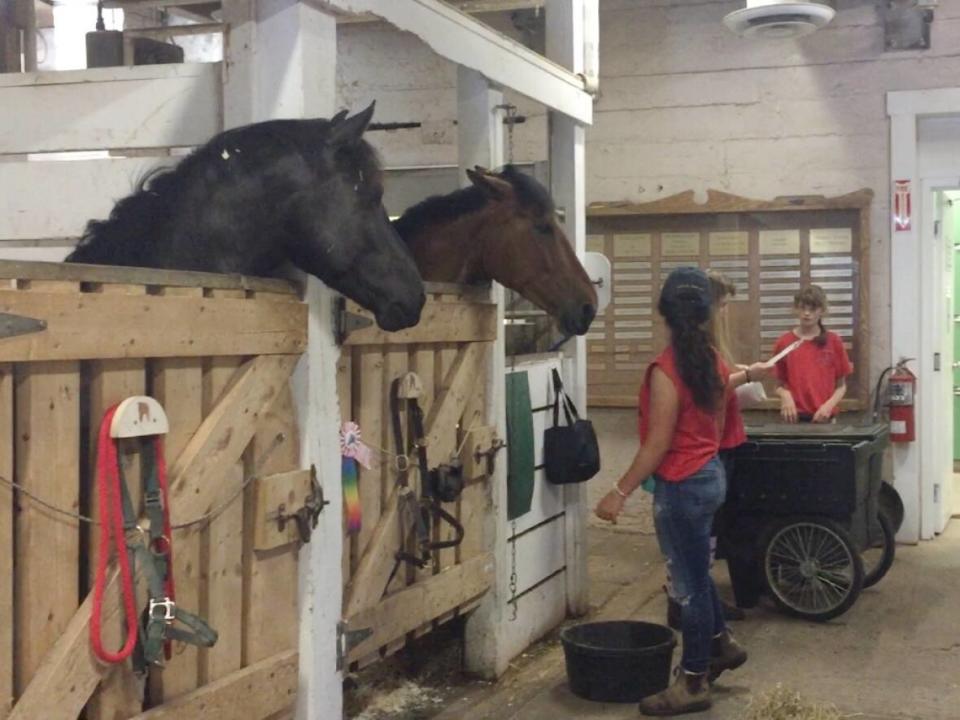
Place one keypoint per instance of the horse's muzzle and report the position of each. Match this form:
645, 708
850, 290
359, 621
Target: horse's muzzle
578, 319
397, 316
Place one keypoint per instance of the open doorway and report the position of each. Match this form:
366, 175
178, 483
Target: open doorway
925, 168
950, 229
942, 230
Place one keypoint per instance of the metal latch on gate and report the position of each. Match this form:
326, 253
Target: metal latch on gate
306, 517
345, 322
490, 454
347, 640
12, 325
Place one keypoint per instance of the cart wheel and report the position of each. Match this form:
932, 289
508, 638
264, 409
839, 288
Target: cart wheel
811, 568
878, 558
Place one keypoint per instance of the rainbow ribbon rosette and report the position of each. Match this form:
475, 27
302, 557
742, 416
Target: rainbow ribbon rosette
352, 451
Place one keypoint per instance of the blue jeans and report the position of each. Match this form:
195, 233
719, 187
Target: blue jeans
683, 514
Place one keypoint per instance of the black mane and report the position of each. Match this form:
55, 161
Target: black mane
169, 201
444, 208
255, 199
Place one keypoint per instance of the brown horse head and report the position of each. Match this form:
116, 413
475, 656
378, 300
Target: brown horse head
504, 228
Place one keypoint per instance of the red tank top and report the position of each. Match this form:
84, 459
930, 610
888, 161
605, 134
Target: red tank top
734, 433
696, 438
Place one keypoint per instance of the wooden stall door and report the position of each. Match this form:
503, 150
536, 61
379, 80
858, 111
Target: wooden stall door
218, 353
383, 602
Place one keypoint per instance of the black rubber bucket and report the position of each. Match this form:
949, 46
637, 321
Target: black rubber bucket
618, 661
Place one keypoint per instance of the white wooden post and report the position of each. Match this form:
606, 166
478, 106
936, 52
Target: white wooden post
480, 142
280, 61
565, 46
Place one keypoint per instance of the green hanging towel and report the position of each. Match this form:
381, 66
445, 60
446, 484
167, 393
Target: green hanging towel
520, 457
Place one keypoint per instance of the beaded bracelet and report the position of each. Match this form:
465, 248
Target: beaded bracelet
618, 491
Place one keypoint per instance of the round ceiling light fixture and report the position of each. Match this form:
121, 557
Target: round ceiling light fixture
778, 19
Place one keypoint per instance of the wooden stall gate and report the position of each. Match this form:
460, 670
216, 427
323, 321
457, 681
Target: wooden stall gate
449, 350
217, 352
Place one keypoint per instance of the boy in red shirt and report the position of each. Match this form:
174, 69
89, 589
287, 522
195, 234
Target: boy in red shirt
813, 378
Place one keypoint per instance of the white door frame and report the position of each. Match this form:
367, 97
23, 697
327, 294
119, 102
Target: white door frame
915, 465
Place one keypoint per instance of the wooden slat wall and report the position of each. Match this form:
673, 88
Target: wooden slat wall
178, 386
6, 540
133, 110
395, 364
366, 370
47, 418
270, 621
110, 381
423, 361
447, 437
249, 597
85, 189
368, 393
150, 106
221, 542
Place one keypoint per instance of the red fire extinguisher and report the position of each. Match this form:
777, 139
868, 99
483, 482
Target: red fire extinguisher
902, 390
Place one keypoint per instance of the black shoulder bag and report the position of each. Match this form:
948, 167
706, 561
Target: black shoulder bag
570, 452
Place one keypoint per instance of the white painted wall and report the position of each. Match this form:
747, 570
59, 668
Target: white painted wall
540, 534
56, 128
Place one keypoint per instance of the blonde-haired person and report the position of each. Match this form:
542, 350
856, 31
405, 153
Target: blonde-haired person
813, 378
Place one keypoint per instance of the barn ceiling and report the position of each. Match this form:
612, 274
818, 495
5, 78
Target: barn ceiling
206, 11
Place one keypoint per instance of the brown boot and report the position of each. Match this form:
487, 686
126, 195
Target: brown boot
689, 693
726, 654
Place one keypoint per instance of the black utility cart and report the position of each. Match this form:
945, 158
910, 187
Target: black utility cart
808, 518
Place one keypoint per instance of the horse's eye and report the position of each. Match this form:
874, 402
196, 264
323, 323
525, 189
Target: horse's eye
544, 228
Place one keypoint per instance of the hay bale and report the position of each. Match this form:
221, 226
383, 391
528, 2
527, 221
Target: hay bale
784, 704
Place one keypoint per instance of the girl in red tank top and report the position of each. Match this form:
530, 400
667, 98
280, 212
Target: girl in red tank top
682, 408
813, 378
733, 435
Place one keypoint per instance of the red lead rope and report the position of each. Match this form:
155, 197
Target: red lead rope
111, 523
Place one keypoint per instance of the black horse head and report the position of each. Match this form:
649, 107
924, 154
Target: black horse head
307, 191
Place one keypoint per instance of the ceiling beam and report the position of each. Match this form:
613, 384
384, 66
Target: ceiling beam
472, 7
470, 43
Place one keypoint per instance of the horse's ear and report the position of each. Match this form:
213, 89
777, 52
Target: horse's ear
349, 131
490, 185
338, 117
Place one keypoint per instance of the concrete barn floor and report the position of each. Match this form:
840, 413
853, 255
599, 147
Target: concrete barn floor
894, 655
